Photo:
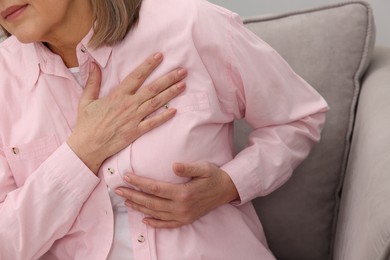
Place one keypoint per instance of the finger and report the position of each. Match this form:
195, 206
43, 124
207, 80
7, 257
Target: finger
164, 82
161, 215
194, 169
146, 200
157, 188
92, 88
160, 100
137, 77
155, 223
155, 121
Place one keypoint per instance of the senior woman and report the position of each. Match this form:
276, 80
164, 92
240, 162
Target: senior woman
78, 137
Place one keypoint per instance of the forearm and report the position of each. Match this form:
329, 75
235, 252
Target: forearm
41, 211
271, 155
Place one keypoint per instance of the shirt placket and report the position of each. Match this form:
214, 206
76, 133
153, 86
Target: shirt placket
143, 237
84, 58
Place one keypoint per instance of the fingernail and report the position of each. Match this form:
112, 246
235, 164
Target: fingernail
171, 111
91, 67
127, 178
180, 86
119, 192
157, 56
182, 72
179, 167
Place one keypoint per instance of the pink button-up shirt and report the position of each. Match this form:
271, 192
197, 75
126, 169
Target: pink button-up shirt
53, 206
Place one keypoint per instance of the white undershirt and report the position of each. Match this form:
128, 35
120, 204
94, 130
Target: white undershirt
76, 73
121, 248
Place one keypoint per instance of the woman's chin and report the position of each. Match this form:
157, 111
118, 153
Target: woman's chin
26, 38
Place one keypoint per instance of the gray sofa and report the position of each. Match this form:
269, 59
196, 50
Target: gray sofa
337, 204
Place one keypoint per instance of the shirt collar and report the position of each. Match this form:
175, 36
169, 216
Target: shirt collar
101, 55
40, 58
32, 63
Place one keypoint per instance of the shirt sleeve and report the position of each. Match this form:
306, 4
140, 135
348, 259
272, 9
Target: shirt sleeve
253, 82
34, 215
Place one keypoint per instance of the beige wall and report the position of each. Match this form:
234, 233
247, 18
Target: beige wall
254, 7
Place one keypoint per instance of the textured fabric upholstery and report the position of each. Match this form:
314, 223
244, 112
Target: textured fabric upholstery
363, 229
330, 47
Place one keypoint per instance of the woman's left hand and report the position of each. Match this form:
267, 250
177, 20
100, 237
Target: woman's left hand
173, 205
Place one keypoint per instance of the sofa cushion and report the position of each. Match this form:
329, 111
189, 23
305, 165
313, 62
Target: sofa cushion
330, 47
363, 226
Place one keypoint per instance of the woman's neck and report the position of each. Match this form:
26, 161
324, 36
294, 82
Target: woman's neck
66, 52
64, 41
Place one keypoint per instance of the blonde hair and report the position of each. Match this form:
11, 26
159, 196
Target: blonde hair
5, 32
113, 20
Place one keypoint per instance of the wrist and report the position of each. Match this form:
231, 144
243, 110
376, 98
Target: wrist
82, 148
231, 192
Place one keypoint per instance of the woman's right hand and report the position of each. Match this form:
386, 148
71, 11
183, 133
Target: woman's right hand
107, 125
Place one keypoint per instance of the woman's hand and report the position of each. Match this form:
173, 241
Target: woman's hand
173, 205
107, 125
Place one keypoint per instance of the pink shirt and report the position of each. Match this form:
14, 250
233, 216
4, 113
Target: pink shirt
52, 205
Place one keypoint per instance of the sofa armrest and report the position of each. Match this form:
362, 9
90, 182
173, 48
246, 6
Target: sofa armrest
363, 227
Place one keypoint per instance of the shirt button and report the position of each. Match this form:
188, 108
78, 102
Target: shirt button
110, 171
141, 239
83, 49
15, 150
